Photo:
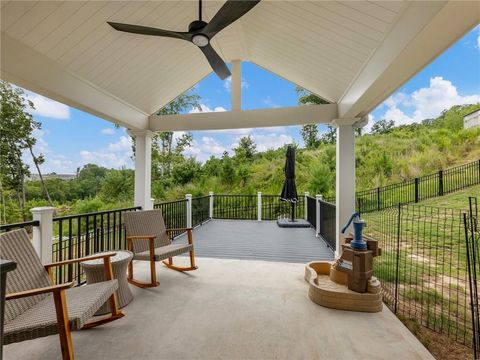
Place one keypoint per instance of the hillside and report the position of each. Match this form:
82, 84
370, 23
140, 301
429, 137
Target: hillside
392, 155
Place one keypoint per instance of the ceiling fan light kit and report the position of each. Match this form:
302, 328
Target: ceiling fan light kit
200, 32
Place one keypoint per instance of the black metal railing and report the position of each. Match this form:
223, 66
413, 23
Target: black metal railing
423, 266
312, 211
200, 210
328, 227
274, 208
76, 236
22, 225
418, 189
174, 214
236, 207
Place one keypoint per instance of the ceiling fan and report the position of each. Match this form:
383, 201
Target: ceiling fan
200, 32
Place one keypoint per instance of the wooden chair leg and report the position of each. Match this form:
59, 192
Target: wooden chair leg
192, 259
63, 325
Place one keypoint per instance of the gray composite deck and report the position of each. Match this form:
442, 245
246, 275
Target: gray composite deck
257, 240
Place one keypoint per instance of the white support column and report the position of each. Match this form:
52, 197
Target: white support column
345, 175
259, 206
143, 167
42, 235
236, 88
305, 204
210, 207
189, 210
317, 214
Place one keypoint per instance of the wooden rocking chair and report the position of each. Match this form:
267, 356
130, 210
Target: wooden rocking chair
149, 240
35, 307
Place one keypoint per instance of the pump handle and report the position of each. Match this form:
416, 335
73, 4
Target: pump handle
354, 215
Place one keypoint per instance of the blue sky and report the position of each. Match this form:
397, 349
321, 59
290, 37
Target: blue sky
71, 138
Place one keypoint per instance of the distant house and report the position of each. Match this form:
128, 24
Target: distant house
472, 119
53, 176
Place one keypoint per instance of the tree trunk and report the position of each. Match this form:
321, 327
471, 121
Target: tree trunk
44, 186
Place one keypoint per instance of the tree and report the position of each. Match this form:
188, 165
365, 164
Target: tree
117, 185
90, 180
310, 136
163, 151
16, 137
185, 171
246, 149
383, 126
228, 171
329, 136
309, 132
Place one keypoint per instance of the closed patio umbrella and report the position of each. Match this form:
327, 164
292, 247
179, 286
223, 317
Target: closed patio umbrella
289, 191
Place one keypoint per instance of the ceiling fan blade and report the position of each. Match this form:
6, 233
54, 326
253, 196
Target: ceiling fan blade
216, 62
231, 11
145, 30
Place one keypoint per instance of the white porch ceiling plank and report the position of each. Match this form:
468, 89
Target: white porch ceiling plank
394, 6
310, 114
423, 32
29, 69
371, 9
64, 11
14, 11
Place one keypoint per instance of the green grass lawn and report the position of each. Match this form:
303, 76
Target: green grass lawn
457, 200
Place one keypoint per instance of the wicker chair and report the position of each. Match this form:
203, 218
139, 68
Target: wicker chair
35, 307
149, 239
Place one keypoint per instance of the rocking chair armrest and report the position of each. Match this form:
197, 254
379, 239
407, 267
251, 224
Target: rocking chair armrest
178, 229
38, 291
73, 261
141, 237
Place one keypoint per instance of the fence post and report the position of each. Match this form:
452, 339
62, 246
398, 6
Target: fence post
317, 213
43, 234
259, 206
189, 210
416, 190
210, 206
397, 267
378, 198
152, 203
440, 183
305, 205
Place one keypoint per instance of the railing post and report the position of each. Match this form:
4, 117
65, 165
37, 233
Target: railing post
317, 213
440, 183
42, 235
152, 203
259, 206
305, 205
189, 210
378, 198
416, 190
210, 206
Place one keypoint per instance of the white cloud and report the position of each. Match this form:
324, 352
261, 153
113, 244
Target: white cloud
203, 149
48, 108
115, 155
269, 102
227, 84
427, 102
108, 131
206, 109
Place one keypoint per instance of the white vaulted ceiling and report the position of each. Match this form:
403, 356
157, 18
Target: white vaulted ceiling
323, 46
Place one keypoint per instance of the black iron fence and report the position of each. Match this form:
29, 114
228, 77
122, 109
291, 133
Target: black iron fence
174, 213
77, 236
328, 228
312, 211
200, 210
22, 225
235, 207
273, 208
424, 266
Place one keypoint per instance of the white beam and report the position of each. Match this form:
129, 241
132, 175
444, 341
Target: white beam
236, 89
308, 114
423, 32
345, 176
143, 167
27, 68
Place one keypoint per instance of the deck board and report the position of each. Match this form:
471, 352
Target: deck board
257, 240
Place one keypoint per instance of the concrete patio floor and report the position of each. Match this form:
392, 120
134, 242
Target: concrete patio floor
233, 309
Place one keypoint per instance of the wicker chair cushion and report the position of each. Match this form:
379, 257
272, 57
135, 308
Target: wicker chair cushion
41, 320
148, 222
165, 252
30, 274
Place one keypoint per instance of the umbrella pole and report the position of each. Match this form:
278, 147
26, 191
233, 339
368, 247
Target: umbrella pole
293, 211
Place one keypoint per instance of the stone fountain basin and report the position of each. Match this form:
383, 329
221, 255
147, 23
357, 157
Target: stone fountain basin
328, 287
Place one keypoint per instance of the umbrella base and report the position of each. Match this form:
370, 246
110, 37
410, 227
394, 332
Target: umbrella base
298, 223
